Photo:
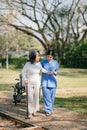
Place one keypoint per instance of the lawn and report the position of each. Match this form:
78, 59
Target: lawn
71, 91
72, 81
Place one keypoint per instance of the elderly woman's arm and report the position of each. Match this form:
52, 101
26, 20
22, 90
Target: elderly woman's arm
24, 73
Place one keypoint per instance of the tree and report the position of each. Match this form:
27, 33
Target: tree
37, 13
49, 20
70, 25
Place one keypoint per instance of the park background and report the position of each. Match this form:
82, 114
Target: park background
56, 24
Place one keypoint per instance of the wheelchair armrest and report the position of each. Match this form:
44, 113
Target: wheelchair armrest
17, 79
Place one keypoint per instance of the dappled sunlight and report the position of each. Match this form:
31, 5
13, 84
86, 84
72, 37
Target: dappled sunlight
69, 82
75, 103
73, 73
70, 92
72, 78
8, 76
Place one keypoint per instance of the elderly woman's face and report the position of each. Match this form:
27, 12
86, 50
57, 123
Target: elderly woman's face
37, 57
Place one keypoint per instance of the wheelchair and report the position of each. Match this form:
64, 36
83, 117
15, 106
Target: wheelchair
19, 90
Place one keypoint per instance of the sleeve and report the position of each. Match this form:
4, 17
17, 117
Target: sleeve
42, 69
56, 67
24, 72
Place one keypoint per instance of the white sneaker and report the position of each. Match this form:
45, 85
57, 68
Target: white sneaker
48, 114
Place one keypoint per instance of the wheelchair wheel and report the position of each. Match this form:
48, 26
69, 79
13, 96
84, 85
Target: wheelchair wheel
17, 93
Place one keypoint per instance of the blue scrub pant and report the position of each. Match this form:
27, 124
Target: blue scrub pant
48, 97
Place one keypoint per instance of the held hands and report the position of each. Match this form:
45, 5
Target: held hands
52, 72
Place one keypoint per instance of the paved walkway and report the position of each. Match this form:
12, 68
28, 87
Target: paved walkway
61, 119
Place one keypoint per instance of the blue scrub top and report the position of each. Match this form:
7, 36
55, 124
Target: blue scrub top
49, 80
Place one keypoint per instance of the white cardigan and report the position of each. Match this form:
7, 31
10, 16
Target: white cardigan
31, 72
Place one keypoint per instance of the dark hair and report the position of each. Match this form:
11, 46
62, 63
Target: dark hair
50, 52
32, 55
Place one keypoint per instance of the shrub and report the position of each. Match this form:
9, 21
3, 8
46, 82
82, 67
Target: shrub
75, 56
17, 62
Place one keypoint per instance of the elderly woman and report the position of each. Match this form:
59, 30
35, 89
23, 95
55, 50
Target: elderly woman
30, 73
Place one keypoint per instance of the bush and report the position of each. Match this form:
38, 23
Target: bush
75, 56
16, 63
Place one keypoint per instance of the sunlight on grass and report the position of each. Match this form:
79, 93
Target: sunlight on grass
67, 78
6, 87
8, 76
71, 91
78, 103
72, 78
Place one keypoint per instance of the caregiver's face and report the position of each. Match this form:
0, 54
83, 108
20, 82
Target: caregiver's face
49, 57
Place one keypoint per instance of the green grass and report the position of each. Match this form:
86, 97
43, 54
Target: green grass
71, 91
76, 73
77, 103
8, 76
72, 78
6, 87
